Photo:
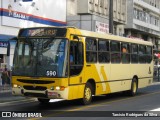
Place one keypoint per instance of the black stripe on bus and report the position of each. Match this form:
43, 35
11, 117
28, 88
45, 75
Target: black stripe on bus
111, 81
122, 80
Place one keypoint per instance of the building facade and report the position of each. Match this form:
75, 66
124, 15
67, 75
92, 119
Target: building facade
144, 20
93, 15
16, 14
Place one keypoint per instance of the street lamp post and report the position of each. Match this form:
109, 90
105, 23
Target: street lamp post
111, 16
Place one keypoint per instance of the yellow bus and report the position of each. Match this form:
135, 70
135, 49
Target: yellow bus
69, 63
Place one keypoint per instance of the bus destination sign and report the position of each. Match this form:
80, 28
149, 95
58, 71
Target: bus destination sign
42, 32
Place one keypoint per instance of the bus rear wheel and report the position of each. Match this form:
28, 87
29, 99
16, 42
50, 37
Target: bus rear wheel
43, 101
134, 87
88, 92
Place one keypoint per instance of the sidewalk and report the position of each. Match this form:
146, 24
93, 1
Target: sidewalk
6, 95
5, 89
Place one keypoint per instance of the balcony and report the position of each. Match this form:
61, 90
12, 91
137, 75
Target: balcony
147, 25
147, 6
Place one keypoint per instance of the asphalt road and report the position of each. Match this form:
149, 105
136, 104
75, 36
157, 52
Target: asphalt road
117, 106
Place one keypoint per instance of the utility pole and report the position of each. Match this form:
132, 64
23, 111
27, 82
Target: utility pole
111, 16
8, 55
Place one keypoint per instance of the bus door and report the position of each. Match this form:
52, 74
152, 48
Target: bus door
75, 69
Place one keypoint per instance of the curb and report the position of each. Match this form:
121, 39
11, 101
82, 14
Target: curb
5, 91
18, 100
6, 96
155, 83
9, 99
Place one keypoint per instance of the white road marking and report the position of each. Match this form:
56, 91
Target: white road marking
55, 100
158, 109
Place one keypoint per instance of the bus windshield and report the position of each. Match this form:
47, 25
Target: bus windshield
41, 57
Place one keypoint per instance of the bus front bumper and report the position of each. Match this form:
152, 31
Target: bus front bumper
50, 94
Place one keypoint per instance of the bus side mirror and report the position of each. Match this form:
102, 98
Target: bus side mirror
76, 37
14, 38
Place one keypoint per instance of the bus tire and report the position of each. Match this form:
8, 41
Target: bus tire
134, 87
88, 92
43, 101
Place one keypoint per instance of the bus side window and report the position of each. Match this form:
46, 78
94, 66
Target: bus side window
125, 52
103, 51
142, 54
148, 54
76, 57
115, 52
91, 50
134, 53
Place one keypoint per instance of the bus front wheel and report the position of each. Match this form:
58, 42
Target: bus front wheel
43, 101
88, 92
134, 87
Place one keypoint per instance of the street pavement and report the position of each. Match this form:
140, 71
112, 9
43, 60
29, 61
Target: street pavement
6, 93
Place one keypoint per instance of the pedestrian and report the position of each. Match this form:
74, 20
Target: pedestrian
5, 78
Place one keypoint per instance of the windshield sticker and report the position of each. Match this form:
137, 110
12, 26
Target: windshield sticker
51, 73
62, 46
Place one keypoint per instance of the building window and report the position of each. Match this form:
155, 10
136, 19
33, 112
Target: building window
101, 3
146, 17
135, 13
1, 59
96, 2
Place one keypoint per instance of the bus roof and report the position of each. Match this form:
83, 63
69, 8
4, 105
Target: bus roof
86, 33
115, 37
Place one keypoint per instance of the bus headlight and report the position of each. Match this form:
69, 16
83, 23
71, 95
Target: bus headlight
52, 88
57, 88
15, 85
61, 88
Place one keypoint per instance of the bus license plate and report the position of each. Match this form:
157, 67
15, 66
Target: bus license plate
52, 94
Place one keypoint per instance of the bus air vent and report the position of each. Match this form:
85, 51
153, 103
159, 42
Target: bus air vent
35, 81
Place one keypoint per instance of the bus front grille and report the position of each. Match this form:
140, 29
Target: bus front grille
36, 81
40, 88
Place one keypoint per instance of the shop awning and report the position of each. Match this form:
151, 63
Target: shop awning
5, 37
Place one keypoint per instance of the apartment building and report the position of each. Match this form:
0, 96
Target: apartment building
143, 20
93, 15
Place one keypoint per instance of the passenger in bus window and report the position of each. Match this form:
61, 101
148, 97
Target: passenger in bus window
61, 58
124, 55
124, 49
71, 59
